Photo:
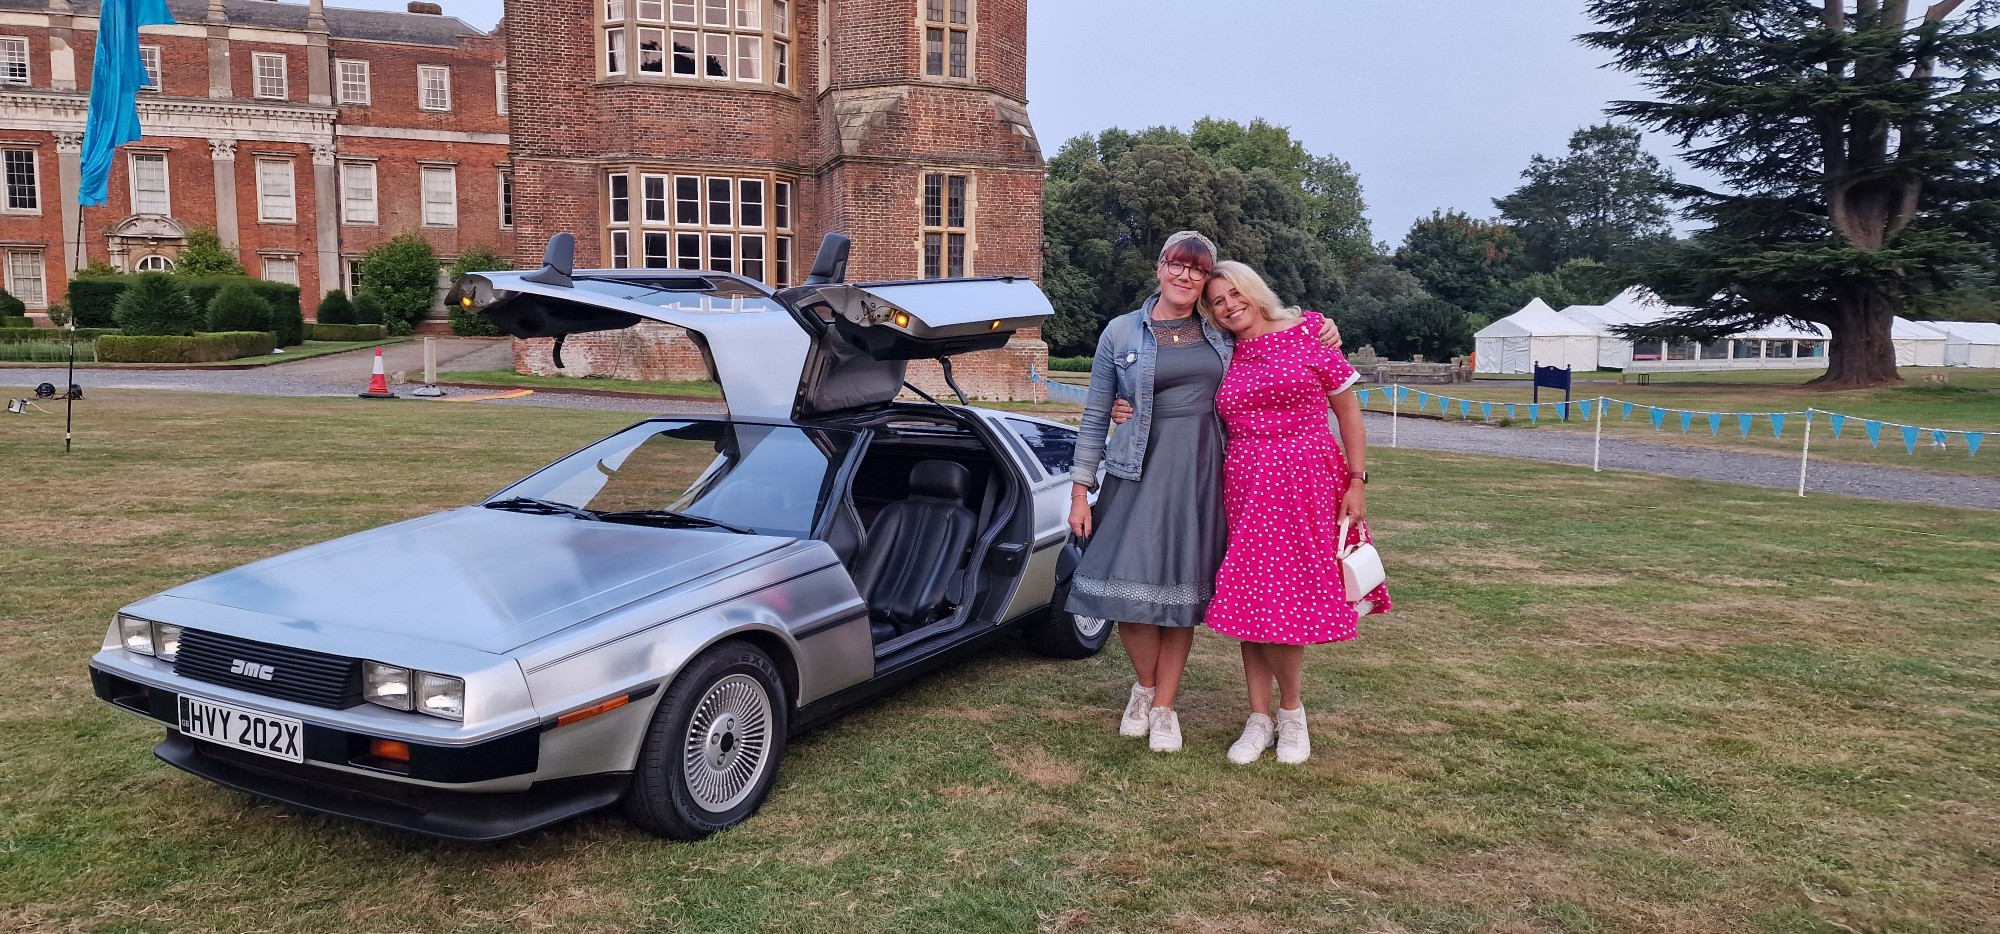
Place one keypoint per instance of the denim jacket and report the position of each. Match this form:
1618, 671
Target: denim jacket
1123, 369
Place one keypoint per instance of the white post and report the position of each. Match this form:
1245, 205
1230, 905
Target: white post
1395, 409
1597, 444
430, 361
1805, 452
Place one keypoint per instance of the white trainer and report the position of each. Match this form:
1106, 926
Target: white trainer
1166, 729
1294, 746
1258, 735
1133, 723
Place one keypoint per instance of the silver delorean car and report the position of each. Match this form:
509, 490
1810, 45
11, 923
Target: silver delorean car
649, 619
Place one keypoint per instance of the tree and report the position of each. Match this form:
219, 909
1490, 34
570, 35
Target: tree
11, 307
1388, 308
204, 255
1605, 196
1856, 150
334, 308
400, 277
474, 259
96, 269
1333, 211
367, 310
236, 307
1469, 263
154, 304
1577, 282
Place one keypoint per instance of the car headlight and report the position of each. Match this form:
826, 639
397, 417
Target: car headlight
387, 685
440, 696
136, 634
166, 641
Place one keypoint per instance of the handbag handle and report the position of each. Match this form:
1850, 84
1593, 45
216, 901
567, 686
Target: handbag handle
1341, 548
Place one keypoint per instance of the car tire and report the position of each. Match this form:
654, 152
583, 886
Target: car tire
713, 747
1058, 633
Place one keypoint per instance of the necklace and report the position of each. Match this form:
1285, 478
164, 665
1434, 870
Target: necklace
1176, 331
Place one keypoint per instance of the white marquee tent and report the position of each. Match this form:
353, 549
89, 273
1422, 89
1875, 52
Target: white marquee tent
1969, 343
1535, 336
1917, 344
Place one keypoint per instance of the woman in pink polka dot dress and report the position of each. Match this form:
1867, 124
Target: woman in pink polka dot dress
1286, 486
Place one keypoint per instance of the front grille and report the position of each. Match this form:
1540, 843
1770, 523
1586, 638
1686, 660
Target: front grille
296, 674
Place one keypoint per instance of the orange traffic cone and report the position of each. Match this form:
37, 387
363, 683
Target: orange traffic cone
378, 384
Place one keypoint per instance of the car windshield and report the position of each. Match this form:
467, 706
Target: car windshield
769, 479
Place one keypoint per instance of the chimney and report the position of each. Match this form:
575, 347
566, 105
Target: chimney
429, 9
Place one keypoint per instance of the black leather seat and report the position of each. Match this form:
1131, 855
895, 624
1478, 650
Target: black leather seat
915, 548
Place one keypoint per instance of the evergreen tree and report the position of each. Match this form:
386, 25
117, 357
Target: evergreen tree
400, 276
1856, 144
11, 307
154, 304
204, 255
1469, 263
334, 308
367, 310
1606, 196
236, 307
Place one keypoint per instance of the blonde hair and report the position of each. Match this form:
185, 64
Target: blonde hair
1251, 286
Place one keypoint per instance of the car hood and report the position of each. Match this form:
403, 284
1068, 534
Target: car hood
480, 578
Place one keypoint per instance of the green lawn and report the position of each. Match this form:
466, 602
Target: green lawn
700, 388
43, 355
1605, 703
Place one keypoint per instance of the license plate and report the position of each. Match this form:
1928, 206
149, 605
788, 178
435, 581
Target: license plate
277, 737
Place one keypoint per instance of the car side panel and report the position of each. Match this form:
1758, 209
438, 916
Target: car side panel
1051, 524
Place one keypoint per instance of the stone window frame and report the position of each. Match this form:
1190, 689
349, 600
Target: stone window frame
347, 200
655, 231
500, 90
15, 53
282, 89
948, 27
150, 54
366, 84
154, 262
278, 256
685, 35
941, 226
17, 283
9, 158
427, 171
424, 75
132, 159
266, 200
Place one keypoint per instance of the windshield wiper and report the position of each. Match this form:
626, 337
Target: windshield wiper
530, 504
672, 515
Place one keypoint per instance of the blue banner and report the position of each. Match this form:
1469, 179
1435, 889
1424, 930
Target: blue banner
1363, 396
1510, 412
1714, 423
1743, 423
1402, 392
1534, 414
1423, 401
1777, 424
1838, 420
1972, 439
1659, 418
1687, 421
1584, 408
1874, 433
1486, 411
1628, 410
117, 72
1465, 408
1909, 439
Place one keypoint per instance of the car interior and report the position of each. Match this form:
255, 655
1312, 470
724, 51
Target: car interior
929, 505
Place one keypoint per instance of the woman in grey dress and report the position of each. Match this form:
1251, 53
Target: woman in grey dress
1157, 535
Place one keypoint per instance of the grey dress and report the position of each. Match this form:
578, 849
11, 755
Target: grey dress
1157, 542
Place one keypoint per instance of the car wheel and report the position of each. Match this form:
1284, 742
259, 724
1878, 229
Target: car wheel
1058, 633
713, 747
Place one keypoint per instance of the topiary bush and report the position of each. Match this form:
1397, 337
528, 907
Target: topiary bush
236, 308
367, 310
204, 255
94, 299
13, 322
156, 305
198, 348
401, 276
11, 307
345, 332
335, 309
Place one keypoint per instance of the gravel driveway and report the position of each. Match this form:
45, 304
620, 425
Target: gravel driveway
346, 374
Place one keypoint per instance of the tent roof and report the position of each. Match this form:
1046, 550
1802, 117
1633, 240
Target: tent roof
1903, 329
1537, 319
1972, 332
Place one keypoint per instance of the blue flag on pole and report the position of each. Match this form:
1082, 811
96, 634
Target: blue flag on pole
1874, 433
1909, 439
1972, 439
1777, 424
1714, 423
117, 73
1838, 420
1659, 418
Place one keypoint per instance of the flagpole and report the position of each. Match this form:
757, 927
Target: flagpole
1805, 452
69, 384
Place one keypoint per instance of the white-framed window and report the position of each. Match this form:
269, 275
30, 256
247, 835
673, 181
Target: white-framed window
283, 269
947, 224
351, 267
269, 68
440, 196
24, 183
353, 77
500, 91
948, 38
719, 40
13, 60
26, 278
357, 193
150, 54
150, 193
433, 87
696, 221
276, 203
154, 262
506, 199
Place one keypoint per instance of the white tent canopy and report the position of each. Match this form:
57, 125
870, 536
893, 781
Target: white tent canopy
1969, 343
1535, 336
1917, 344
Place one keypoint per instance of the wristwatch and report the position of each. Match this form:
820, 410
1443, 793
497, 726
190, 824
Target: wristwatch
1361, 475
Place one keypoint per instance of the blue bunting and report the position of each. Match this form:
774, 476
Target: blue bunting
1972, 439
1510, 412
1909, 439
1937, 437
1659, 418
1838, 420
1874, 433
1465, 408
1777, 424
1714, 423
1584, 409
1423, 401
1687, 421
1363, 396
1628, 410
1743, 423
1534, 414
1485, 411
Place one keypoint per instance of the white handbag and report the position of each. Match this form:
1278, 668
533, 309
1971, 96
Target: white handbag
1360, 566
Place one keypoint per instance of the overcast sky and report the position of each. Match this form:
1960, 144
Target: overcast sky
1436, 103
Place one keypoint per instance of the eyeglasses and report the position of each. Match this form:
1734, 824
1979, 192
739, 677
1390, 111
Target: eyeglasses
1180, 270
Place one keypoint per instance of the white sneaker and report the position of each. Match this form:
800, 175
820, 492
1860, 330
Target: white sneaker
1294, 746
1133, 723
1258, 735
1166, 729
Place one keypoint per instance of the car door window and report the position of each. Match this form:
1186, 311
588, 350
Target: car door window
1054, 447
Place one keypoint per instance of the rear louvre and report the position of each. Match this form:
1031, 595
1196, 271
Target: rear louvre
298, 675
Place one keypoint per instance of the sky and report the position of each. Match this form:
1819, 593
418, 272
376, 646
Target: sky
1436, 103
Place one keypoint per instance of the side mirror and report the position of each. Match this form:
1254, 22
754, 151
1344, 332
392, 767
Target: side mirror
830, 265
558, 262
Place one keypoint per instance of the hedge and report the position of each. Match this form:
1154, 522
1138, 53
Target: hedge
201, 348
92, 299
344, 332
1070, 364
13, 322
50, 335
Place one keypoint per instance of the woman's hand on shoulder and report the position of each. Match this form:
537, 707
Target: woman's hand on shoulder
1329, 332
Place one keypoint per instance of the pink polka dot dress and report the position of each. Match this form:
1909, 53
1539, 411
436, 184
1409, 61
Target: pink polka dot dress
1282, 481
